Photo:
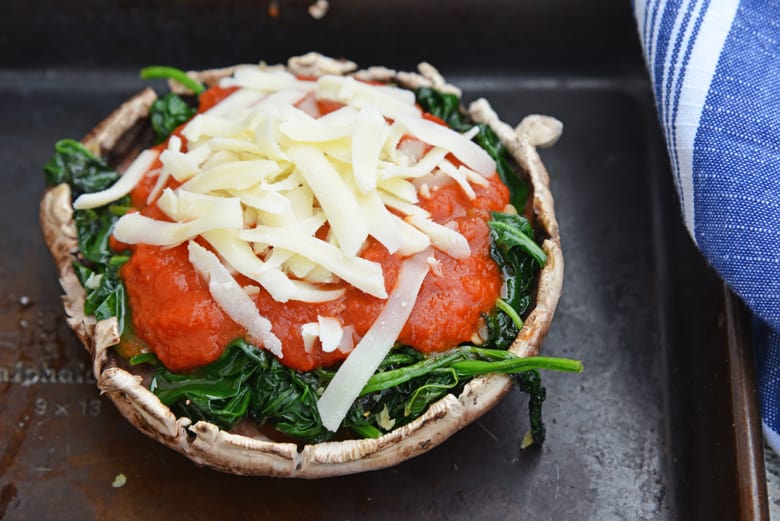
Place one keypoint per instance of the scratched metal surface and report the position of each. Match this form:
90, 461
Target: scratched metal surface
645, 433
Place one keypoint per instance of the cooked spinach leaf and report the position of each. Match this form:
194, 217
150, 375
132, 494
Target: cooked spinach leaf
287, 399
93, 229
444, 106
98, 265
531, 383
513, 248
512, 234
73, 164
246, 380
219, 392
167, 113
397, 395
161, 72
106, 294
144, 358
518, 188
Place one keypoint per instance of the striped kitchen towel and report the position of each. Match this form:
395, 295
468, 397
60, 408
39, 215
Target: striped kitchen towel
715, 72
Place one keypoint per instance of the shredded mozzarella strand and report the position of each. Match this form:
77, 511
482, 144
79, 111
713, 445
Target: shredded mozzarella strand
134, 173
232, 299
364, 360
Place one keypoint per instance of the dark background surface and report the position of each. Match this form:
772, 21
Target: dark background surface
646, 432
502, 35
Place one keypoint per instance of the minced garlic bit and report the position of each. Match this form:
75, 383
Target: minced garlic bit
384, 420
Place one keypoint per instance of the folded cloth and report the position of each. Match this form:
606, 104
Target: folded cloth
715, 72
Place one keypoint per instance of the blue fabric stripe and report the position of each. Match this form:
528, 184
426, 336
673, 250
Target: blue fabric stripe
668, 16
674, 67
767, 342
645, 23
670, 93
736, 153
679, 85
737, 195
651, 38
661, 45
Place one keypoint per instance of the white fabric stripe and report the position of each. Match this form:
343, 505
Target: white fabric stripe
772, 438
640, 13
671, 68
715, 27
678, 70
652, 39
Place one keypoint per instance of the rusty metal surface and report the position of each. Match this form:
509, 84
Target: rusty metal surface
646, 432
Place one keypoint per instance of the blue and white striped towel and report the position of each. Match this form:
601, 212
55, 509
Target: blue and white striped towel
715, 70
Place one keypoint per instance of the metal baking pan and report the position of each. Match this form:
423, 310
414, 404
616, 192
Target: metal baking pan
662, 424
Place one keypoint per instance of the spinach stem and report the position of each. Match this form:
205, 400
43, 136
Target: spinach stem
499, 361
394, 377
119, 209
365, 430
64, 146
143, 358
527, 243
118, 260
504, 306
157, 72
479, 367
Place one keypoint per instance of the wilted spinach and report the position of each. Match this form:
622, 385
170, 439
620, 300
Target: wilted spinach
248, 381
93, 229
287, 399
444, 106
245, 381
170, 111
97, 266
167, 113
106, 294
513, 248
218, 392
73, 164
161, 72
531, 383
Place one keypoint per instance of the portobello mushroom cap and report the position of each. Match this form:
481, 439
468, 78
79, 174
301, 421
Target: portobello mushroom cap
243, 451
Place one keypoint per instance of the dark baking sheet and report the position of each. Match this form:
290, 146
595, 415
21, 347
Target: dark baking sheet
661, 425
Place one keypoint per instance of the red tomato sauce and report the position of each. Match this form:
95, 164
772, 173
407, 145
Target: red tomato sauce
175, 316
212, 96
172, 310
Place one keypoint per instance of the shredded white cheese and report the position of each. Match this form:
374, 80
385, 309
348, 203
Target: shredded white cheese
329, 332
288, 197
122, 187
335, 197
134, 228
361, 273
363, 361
232, 298
370, 132
461, 146
446, 239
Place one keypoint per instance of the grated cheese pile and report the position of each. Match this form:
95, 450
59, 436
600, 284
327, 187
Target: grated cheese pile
263, 172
